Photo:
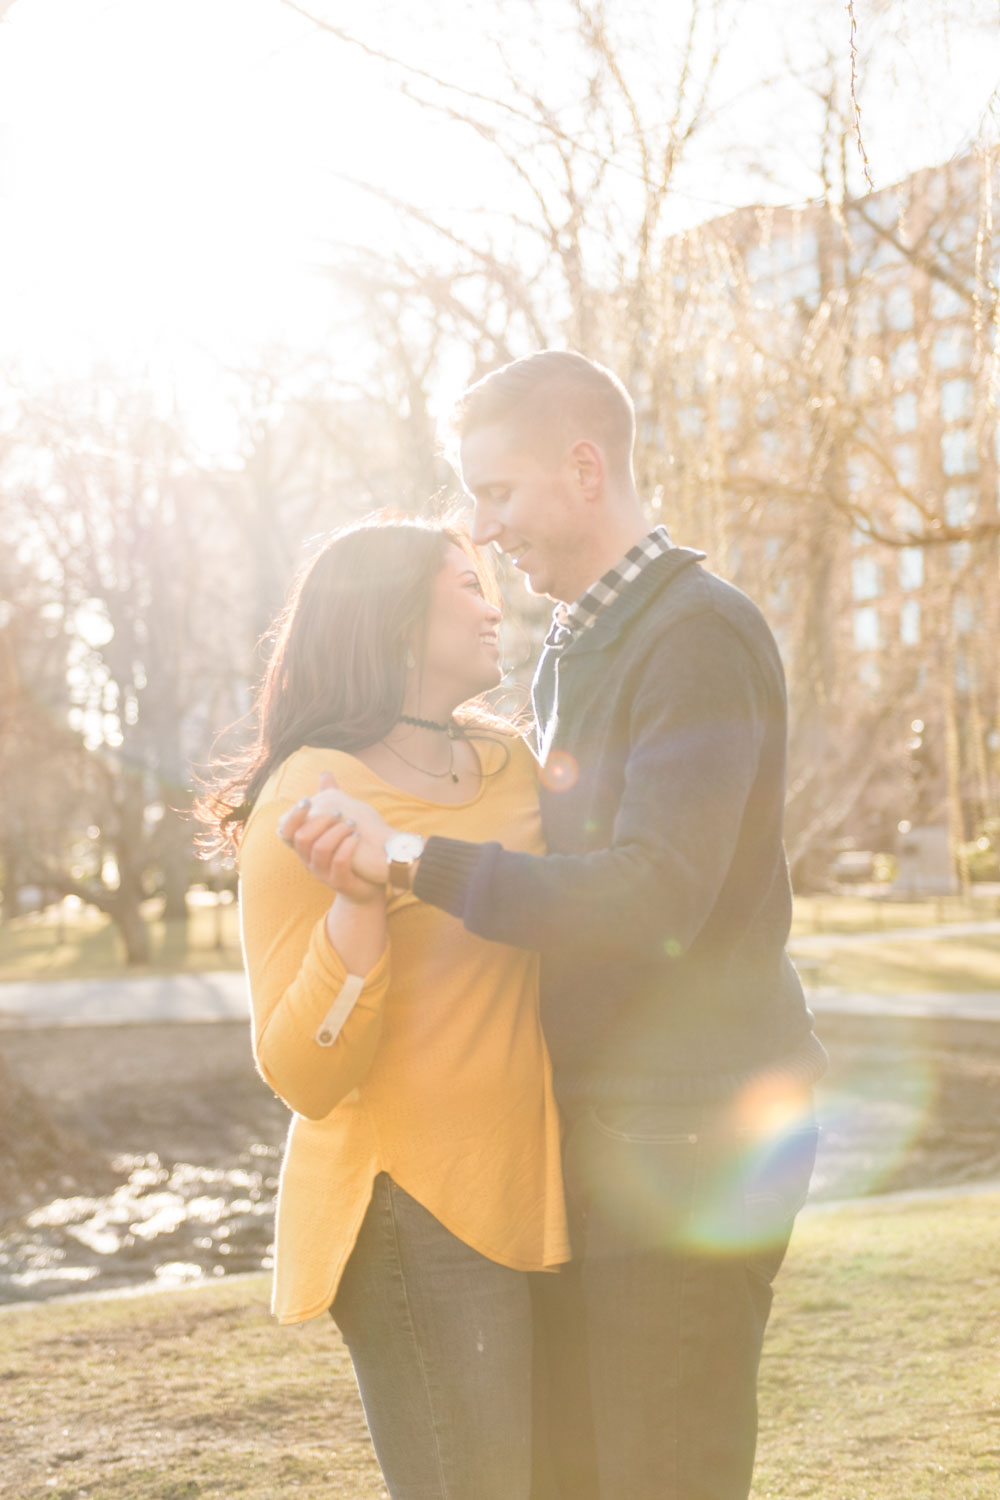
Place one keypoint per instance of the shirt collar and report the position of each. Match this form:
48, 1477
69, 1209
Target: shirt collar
568, 620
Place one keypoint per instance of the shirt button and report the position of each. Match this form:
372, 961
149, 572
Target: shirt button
325, 1038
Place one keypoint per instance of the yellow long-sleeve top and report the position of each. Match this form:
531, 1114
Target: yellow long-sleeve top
434, 1069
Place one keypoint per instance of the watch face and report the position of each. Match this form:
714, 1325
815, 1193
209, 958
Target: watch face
404, 848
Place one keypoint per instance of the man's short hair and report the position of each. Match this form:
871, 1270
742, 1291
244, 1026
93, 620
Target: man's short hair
550, 400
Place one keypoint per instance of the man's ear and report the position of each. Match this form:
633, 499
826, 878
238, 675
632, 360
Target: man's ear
586, 463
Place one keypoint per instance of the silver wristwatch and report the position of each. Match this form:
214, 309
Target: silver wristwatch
402, 850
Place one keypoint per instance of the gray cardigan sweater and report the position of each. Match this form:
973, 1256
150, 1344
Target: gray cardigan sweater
663, 908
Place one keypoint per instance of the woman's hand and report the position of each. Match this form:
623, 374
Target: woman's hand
339, 839
327, 839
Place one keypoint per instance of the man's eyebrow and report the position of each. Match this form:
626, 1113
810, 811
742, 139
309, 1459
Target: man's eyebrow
487, 483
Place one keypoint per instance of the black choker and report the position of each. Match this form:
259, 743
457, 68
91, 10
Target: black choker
450, 729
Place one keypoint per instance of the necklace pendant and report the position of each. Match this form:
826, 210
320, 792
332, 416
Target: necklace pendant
454, 777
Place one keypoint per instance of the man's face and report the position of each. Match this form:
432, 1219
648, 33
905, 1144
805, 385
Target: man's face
531, 507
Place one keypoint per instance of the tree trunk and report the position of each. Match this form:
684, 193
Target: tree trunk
10, 884
175, 833
124, 912
123, 906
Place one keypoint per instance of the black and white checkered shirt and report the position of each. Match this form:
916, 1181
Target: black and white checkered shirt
568, 620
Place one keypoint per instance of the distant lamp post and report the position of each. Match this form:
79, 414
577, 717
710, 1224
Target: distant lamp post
993, 746
920, 766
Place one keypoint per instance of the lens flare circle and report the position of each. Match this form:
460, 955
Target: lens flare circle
560, 772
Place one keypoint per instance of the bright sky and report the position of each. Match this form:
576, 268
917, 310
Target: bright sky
171, 171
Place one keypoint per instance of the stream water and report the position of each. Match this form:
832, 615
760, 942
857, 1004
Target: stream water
166, 1224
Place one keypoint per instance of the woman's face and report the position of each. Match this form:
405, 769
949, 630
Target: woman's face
461, 647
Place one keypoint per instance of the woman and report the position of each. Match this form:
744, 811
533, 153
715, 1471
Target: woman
421, 1178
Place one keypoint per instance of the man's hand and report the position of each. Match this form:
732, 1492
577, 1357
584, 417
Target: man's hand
325, 823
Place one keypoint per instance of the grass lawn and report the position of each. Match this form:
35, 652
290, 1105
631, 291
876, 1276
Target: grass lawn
87, 946
861, 913
904, 966
881, 1379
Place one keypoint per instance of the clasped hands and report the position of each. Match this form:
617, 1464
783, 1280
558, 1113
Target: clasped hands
339, 840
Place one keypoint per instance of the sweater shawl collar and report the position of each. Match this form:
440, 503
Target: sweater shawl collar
632, 600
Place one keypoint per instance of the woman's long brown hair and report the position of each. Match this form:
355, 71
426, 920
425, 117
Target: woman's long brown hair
337, 672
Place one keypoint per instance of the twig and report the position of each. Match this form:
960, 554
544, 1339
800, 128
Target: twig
854, 96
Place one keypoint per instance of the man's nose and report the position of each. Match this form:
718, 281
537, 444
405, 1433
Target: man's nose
484, 528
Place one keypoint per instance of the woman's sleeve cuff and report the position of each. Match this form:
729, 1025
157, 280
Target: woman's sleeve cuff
332, 1023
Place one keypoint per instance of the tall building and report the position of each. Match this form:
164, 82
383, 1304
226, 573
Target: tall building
827, 404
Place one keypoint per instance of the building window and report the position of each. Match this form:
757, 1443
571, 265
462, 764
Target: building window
908, 517
956, 400
958, 236
958, 452
951, 348
904, 412
691, 421
904, 361
803, 281
759, 262
959, 504
857, 473
963, 615
867, 629
959, 556
945, 301
870, 675
866, 578
899, 308
778, 597
861, 250
729, 412
806, 246
911, 568
860, 374
904, 457
909, 623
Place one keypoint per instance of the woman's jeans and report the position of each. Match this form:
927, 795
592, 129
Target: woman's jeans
682, 1219
441, 1339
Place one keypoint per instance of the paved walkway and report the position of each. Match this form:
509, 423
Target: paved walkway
110, 1002
223, 997
956, 1005
965, 1005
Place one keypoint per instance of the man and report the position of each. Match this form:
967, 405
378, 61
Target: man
683, 1051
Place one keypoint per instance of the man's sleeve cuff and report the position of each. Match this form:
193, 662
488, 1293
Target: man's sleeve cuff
445, 872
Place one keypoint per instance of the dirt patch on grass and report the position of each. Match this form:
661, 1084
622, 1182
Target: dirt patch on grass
196, 1394
182, 1093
